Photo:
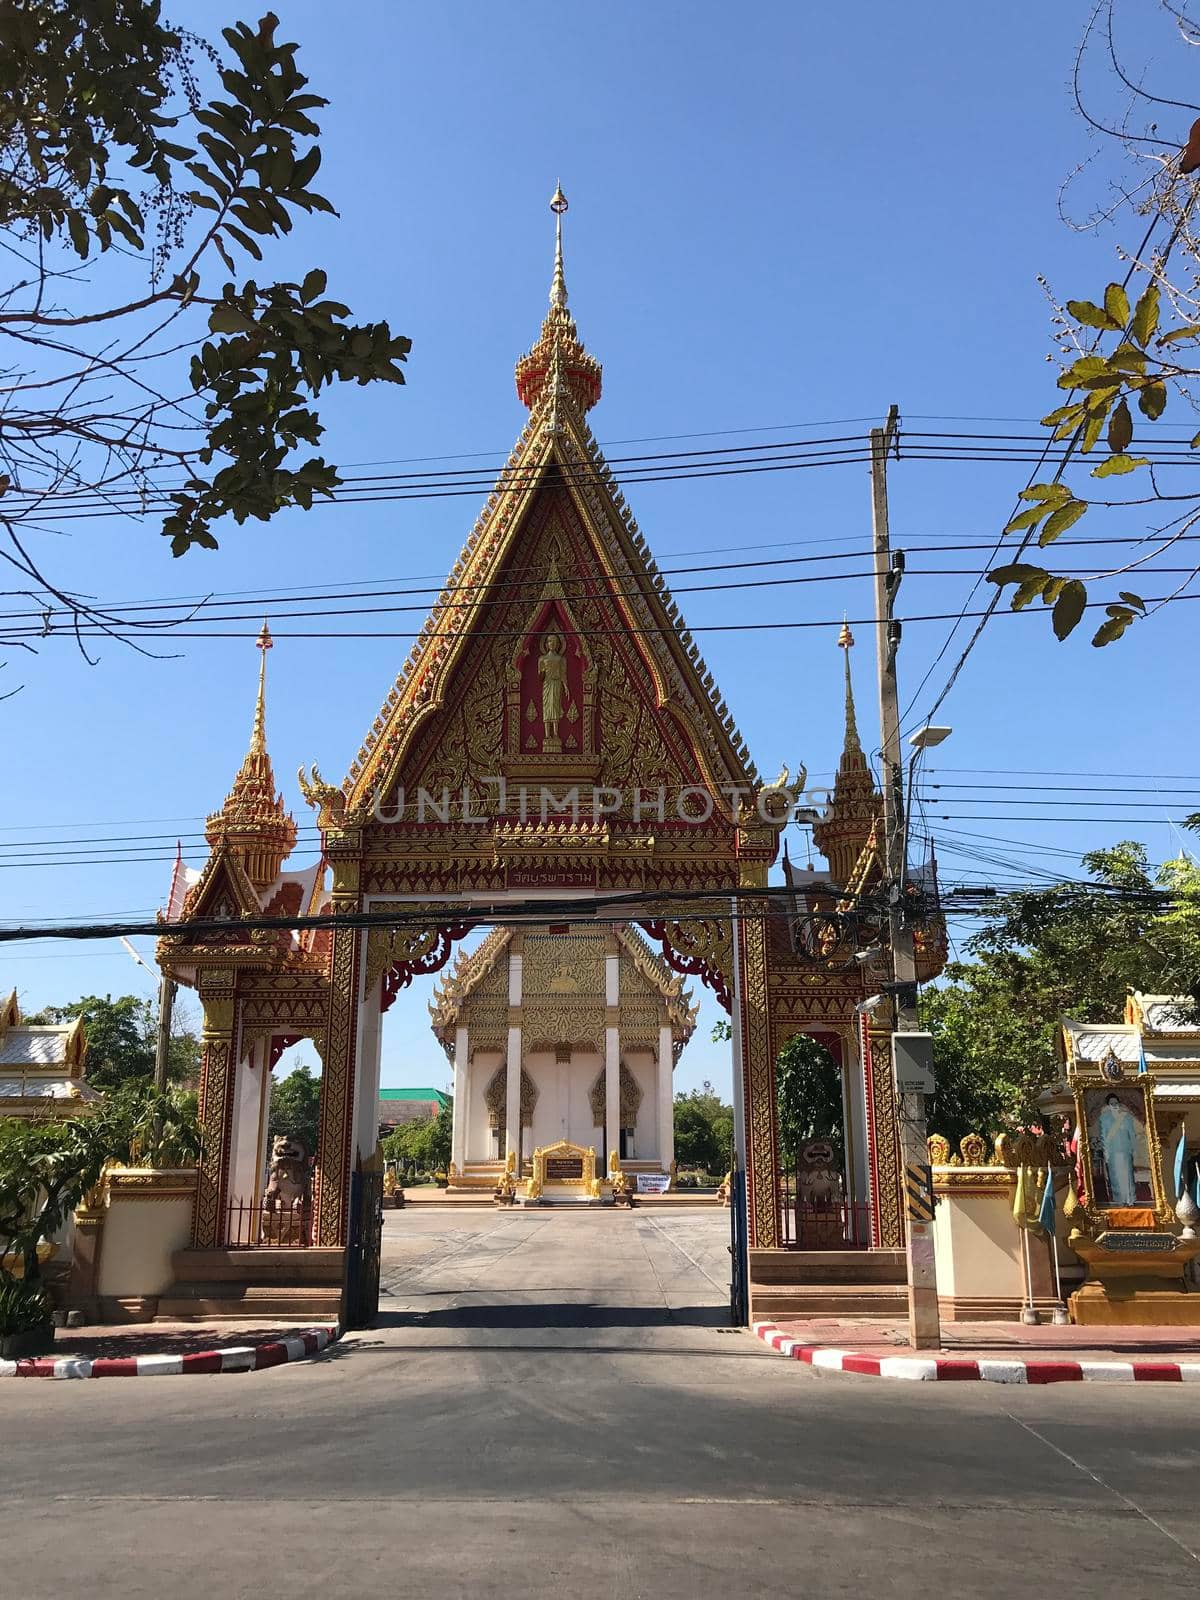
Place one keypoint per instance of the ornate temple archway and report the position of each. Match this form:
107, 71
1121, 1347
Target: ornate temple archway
553, 740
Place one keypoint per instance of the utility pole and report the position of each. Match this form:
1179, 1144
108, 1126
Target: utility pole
162, 1049
167, 988
924, 1326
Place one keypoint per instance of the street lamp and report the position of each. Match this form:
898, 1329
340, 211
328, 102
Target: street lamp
924, 739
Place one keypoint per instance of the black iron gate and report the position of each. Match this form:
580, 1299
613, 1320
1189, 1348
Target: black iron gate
739, 1286
360, 1300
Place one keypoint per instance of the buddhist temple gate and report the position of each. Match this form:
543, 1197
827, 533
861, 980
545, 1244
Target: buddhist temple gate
554, 739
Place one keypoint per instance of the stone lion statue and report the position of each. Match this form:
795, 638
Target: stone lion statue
287, 1196
820, 1182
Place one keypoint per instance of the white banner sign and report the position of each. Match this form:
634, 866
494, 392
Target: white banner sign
653, 1182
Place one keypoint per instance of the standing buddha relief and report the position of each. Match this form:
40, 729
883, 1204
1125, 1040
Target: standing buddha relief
552, 689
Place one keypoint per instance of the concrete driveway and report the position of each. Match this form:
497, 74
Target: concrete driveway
551, 1406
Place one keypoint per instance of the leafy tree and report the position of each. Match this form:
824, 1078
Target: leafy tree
128, 143
1073, 950
808, 1091
703, 1130
1132, 348
296, 1107
423, 1144
46, 1167
122, 1036
808, 1095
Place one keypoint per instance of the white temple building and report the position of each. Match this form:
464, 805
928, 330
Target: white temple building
562, 1034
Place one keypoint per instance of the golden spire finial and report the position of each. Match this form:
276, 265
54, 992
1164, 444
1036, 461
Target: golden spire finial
253, 821
258, 739
558, 356
846, 643
558, 283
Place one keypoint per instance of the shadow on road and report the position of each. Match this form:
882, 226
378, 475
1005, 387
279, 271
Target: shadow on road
554, 1314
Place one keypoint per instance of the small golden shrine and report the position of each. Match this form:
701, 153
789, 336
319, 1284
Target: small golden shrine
1135, 1090
42, 1066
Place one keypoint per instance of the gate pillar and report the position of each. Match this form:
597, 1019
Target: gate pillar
754, 1024
218, 1064
340, 1056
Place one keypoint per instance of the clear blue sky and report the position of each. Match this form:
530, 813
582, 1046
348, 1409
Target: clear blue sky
780, 218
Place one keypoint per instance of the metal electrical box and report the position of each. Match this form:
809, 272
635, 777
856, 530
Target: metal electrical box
912, 1054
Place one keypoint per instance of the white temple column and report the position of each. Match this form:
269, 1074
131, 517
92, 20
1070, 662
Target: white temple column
244, 1137
512, 1082
666, 1097
462, 1100
858, 1188
612, 1055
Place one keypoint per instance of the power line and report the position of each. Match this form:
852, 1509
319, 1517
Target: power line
118, 633
611, 907
512, 588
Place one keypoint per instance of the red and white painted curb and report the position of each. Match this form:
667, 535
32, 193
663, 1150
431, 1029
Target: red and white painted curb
954, 1369
235, 1358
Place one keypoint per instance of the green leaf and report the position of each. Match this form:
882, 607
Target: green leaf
1190, 330
1025, 519
244, 239
1085, 370
1028, 592
1117, 466
1112, 629
1127, 358
1152, 401
1120, 429
225, 318
1052, 492
1017, 572
1116, 303
1092, 316
1145, 316
1091, 430
1063, 417
1134, 600
1069, 608
77, 228
313, 285
1059, 521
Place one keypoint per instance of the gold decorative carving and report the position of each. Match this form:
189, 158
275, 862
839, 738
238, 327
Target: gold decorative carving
973, 1148
537, 1183
887, 1142
576, 957
630, 1098
328, 801
337, 1091
495, 1098
216, 1092
758, 1069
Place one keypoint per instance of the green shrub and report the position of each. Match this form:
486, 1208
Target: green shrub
23, 1306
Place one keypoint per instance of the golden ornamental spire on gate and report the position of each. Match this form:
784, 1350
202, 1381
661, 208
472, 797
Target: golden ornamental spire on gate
253, 821
559, 356
844, 829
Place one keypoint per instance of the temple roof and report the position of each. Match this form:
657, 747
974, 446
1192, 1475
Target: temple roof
41, 1062
480, 973
846, 830
1159, 1027
253, 819
555, 453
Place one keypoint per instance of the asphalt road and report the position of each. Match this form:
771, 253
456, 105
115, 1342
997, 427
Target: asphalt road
553, 1405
